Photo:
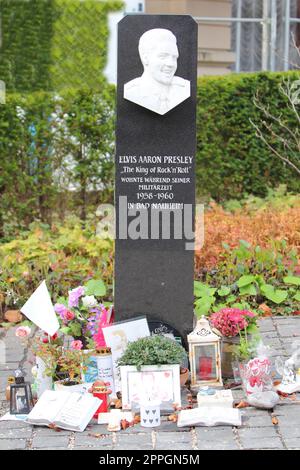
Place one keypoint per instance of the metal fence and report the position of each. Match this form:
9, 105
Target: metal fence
263, 33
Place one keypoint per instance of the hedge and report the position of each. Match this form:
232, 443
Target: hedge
231, 160
39, 132
53, 44
56, 155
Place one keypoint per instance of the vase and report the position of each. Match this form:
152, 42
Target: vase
43, 382
256, 375
228, 357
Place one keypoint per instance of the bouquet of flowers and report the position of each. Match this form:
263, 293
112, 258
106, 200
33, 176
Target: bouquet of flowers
82, 315
231, 322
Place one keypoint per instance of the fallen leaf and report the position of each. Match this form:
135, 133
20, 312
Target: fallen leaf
54, 427
136, 419
96, 435
282, 395
267, 311
242, 404
124, 424
172, 417
274, 420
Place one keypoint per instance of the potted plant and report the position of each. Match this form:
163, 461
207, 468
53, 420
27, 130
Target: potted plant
153, 356
72, 363
233, 324
46, 349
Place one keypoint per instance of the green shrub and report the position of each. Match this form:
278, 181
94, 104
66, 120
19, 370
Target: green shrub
50, 143
65, 256
152, 350
56, 155
231, 161
53, 44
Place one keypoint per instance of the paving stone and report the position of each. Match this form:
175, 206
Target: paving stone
84, 440
273, 343
293, 443
173, 440
216, 438
290, 331
289, 432
97, 429
258, 421
137, 429
257, 433
5, 425
266, 325
265, 443
16, 433
11, 444
49, 441
288, 415
260, 438
133, 442
169, 426
46, 432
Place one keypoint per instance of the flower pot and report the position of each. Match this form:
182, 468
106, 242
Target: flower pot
62, 386
227, 355
42, 381
184, 375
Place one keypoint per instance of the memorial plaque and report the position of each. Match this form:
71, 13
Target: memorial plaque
155, 161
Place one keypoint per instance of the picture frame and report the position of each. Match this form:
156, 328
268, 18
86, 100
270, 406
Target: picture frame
118, 335
155, 383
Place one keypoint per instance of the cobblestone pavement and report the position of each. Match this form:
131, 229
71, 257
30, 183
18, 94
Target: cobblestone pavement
257, 431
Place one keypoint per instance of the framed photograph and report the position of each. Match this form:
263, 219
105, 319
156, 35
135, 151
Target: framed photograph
117, 337
157, 383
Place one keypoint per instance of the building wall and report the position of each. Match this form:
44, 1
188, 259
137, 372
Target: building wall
214, 40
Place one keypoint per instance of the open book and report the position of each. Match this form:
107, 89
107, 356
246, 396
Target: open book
209, 416
67, 410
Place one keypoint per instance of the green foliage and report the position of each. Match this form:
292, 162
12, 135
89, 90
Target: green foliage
53, 44
231, 160
247, 347
152, 350
66, 256
250, 276
56, 155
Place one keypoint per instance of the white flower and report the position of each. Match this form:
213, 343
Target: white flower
89, 301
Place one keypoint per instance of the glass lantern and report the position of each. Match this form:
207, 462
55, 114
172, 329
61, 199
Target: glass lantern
21, 401
204, 355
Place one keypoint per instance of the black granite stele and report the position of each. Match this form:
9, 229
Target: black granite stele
154, 277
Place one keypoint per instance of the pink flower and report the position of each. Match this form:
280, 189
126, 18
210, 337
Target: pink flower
68, 315
74, 296
230, 321
76, 344
60, 309
249, 314
23, 331
65, 314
